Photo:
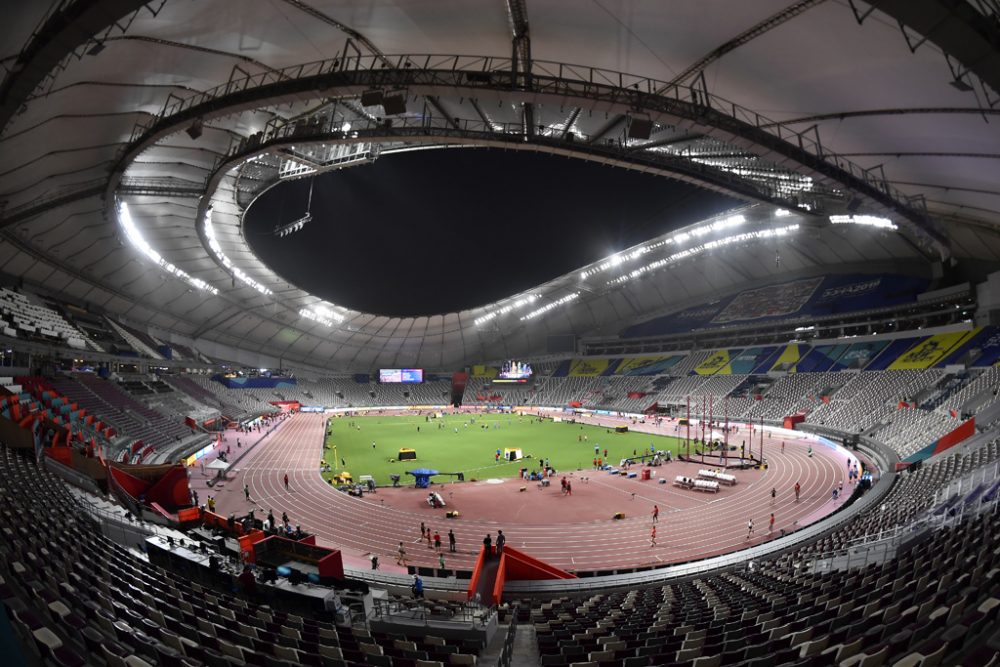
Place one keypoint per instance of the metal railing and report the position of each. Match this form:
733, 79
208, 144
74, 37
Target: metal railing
507, 652
556, 78
965, 484
465, 614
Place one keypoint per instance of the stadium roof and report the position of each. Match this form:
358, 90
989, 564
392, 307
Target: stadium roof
821, 108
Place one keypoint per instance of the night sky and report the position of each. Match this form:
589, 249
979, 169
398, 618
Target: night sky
438, 231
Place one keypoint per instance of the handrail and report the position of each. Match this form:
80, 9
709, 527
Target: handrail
507, 652
547, 74
545, 77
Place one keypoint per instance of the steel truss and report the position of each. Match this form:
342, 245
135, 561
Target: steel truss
693, 110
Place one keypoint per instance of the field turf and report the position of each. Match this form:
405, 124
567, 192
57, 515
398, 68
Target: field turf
471, 450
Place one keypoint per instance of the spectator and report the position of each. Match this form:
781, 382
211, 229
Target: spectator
247, 582
401, 560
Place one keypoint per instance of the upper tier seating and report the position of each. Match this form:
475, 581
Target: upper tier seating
20, 317
234, 403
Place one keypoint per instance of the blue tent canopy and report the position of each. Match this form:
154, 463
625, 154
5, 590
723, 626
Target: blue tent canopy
423, 476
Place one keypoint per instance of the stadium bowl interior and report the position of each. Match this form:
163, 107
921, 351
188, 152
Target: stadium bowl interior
691, 309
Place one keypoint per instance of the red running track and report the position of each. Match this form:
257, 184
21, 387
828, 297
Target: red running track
691, 525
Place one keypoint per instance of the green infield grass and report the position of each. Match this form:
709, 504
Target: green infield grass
468, 443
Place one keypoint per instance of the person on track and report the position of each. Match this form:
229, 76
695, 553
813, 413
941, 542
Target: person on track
656, 513
451, 540
501, 540
652, 537
488, 545
437, 541
797, 490
749, 528
770, 524
286, 481
246, 491
401, 560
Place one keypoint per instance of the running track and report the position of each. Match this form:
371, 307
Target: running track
361, 527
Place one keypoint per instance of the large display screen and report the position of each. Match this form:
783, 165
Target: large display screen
405, 375
514, 371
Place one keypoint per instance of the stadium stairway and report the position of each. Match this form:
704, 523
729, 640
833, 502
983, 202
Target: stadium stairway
487, 579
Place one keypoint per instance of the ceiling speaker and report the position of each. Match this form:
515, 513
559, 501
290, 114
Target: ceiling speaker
195, 130
394, 104
640, 128
371, 98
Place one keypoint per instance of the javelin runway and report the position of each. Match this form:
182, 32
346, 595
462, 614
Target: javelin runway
691, 525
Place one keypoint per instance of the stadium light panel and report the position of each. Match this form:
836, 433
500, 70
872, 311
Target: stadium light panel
550, 306
503, 310
213, 243
136, 238
709, 245
867, 220
320, 313
715, 226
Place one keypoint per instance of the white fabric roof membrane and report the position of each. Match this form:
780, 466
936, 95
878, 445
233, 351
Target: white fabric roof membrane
870, 99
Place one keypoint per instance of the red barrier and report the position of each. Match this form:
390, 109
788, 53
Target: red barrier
501, 578
329, 562
246, 545
522, 567
63, 455
188, 515
949, 440
477, 572
792, 420
221, 522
